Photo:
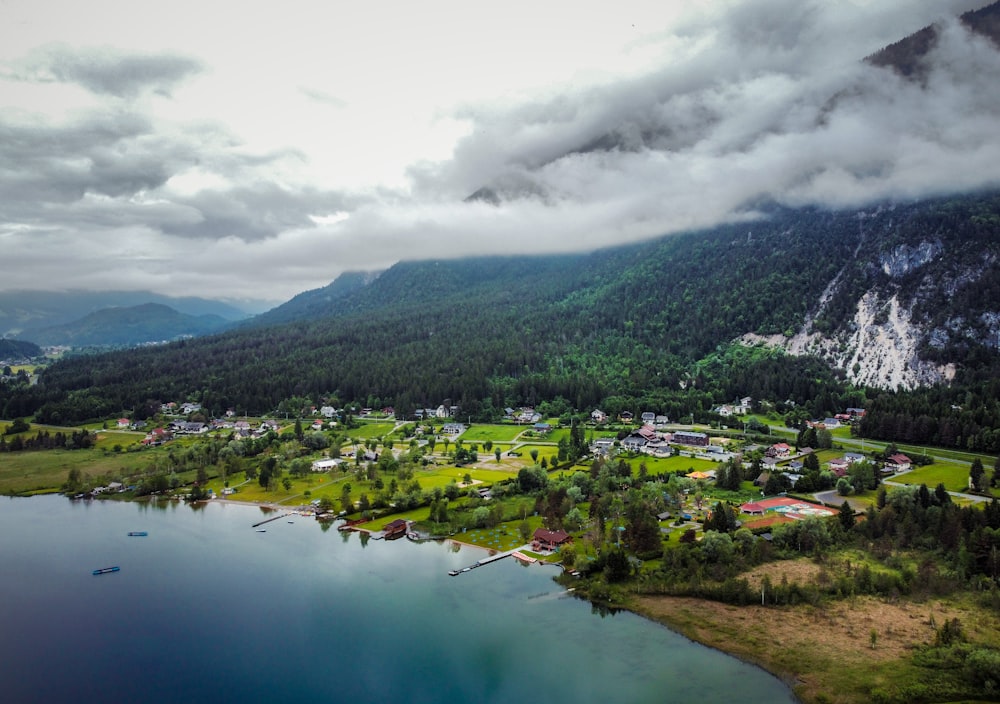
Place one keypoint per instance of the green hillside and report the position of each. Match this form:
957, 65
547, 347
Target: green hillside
644, 326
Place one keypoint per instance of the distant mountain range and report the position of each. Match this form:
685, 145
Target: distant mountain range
26, 314
127, 326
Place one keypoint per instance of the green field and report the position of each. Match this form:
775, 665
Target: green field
497, 433
955, 477
370, 430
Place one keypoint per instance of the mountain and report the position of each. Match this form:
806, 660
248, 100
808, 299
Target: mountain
317, 302
12, 350
903, 297
134, 325
906, 56
23, 312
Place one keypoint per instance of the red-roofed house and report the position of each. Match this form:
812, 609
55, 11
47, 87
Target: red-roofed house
898, 463
124, 422
779, 449
752, 509
549, 539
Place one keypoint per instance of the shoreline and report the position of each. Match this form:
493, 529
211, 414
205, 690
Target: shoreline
635, 606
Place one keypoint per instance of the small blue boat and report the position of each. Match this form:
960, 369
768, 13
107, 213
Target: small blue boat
138, 533
105, 570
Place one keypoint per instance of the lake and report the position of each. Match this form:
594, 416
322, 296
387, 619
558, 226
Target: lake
206, 608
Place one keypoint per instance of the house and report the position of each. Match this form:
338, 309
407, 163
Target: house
648, 418
838, 466
317, 425
746, 404
549, 539
395, 529
752, 509
187, 428
453, 429
687, 437
856, 412
661, 421
124, 422
599, 416
853, 457
659, 448
327, 411
190, 408
634, 442
603, 445
725, 411
325, 465
626, 417
762, 479
542, 427
779, 450
897, 463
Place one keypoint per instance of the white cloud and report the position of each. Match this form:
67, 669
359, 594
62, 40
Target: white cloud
253, 153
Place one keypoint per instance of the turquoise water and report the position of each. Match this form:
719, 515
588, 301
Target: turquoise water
206, 608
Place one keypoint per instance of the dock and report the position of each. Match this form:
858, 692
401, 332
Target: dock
274, 518
486, 561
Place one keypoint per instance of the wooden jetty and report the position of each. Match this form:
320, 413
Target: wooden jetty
274, 518
484, 561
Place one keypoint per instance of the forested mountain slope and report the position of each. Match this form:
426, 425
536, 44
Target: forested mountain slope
648, 325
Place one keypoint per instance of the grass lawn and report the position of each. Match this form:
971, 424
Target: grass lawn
46, 469
664, 465
370, 430
497, 433
955, 477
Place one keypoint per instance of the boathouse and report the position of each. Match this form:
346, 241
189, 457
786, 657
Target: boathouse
395, 529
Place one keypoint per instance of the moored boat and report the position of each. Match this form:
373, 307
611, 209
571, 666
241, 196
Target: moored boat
138, 533
105, 570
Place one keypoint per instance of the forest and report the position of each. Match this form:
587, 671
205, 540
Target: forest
647, 326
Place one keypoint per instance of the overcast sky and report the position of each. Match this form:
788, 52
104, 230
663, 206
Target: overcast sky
253, 150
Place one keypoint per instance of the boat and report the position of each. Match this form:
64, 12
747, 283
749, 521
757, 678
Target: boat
138, 533
453, 572
105, 570
262, 530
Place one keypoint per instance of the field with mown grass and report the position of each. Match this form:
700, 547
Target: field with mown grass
367, 431
955, 477
480, 433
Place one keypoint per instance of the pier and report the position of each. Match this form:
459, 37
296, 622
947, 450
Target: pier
274, 518
484, 561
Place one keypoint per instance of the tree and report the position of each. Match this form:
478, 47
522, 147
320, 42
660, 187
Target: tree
723, 520
977, 475
717, 547
844, 486
846, 516
497, 452
534, 454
